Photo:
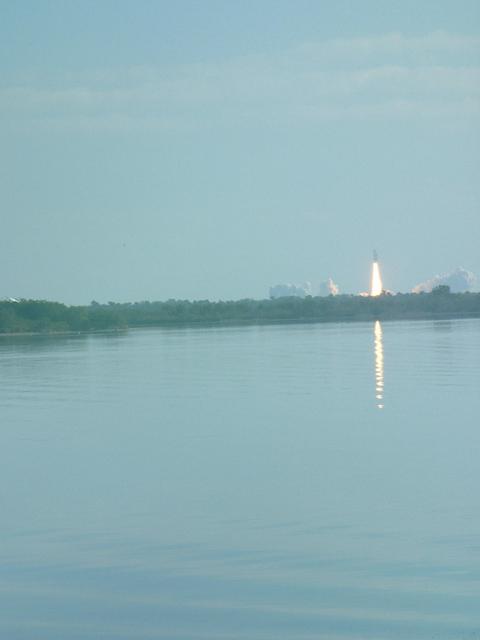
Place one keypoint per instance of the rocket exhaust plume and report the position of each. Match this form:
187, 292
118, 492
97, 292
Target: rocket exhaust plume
376, 287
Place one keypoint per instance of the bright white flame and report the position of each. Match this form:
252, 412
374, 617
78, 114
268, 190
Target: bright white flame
377, 286
379, 385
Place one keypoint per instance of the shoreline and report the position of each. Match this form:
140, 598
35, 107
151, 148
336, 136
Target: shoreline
346, 319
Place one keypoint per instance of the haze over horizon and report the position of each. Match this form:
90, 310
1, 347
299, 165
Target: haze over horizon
159, 150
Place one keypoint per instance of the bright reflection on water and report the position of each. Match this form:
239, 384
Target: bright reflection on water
240, 484
378, 363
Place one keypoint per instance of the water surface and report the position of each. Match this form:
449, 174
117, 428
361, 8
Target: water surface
298, 481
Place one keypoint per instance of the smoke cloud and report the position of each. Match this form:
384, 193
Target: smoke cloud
296, 290
459, 281
326, 288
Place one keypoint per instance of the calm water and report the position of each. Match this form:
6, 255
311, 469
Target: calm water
302, 482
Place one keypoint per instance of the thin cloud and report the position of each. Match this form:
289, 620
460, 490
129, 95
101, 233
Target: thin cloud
390, 76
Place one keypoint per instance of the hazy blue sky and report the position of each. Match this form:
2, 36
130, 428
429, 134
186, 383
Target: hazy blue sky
151, 150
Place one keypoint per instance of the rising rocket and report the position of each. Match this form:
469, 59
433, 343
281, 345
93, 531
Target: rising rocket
376, 287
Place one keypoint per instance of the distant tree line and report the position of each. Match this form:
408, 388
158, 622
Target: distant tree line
40, 316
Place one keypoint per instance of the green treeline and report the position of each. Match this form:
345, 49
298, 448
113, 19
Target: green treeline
40, 316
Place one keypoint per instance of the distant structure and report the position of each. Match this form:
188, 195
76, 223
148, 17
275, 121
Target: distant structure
287, 290
460, 280
328, 288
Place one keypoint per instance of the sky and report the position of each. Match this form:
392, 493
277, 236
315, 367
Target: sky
212, 149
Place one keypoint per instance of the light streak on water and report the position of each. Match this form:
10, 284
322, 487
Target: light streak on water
379, 382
